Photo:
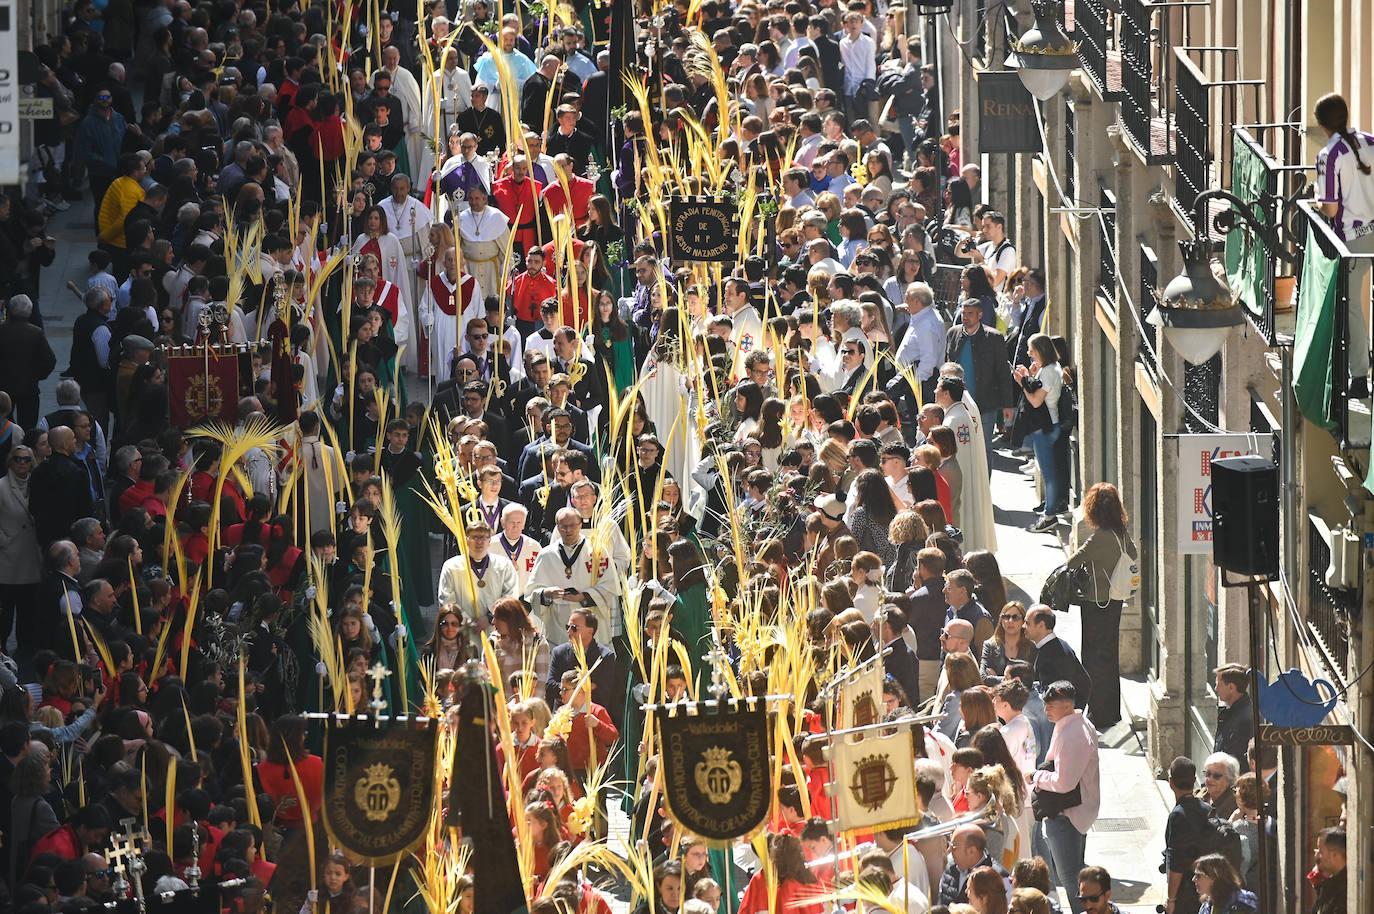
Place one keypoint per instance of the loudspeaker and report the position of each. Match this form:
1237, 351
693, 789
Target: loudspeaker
1245, 515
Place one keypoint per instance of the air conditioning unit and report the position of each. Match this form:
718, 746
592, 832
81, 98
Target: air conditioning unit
1344, 571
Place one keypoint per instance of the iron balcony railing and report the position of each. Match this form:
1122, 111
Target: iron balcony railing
1149, 133
1145, 301
1329, 610
1192, 124
1101, 63
1106, 269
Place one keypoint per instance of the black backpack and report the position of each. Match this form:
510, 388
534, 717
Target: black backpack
1217, 836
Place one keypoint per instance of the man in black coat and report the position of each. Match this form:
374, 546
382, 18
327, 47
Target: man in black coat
899, 662
60, 488
1184, 834
1235, 715
827, 49
928, 616
25, 359
582, 628
1054, 659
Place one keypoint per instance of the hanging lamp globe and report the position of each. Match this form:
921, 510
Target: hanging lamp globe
1044, 55
1196, 310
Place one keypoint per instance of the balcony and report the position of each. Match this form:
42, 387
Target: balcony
1096, 37
1139, 46
1330, 609
1192, 124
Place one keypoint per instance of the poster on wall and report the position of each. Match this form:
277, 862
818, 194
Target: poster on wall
1195, 456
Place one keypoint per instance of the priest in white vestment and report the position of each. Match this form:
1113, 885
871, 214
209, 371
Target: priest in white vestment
567, 576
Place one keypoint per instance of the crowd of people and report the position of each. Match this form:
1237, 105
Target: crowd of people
462, 329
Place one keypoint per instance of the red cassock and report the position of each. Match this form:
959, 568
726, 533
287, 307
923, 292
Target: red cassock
519, 203
527, 293
581, 189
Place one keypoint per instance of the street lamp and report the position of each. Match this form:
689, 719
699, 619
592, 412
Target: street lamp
1196, 309
933, 7
1044, 56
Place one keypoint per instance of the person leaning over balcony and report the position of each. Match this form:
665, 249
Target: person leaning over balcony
1345, 192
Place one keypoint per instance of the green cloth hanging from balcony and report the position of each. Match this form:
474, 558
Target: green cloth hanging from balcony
1245, 254
1314, 340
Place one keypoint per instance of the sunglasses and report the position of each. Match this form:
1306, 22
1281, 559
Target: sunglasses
572, 627
1093, 899
1012, 616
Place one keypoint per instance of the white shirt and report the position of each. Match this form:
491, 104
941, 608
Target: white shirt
857, 56
1340, 181
1052, 377
1019, 736
1005, 260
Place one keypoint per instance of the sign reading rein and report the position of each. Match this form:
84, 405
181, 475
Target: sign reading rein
1006, 114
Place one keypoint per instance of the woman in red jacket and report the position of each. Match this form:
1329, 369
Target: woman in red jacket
286, 749
796, 884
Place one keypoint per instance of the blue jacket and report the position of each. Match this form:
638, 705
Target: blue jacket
98, 141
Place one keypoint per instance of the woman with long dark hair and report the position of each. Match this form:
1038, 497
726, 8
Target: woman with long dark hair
874, 510
287, 750
1101, 614
692, 612
748, 409
958, 204
610, 338
771, 434
974, 283
795, 882
447, 645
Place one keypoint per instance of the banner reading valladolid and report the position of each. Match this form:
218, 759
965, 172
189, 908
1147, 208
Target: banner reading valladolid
378, 786
716, 779
1195, 456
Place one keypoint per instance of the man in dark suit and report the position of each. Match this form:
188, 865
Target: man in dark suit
27, 359
484, 455
474, 404
899, 662
928, 616
827, 49
560, 434
1054, 659
567, 354
582, 628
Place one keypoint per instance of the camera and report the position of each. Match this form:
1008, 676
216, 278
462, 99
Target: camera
966, 246
89, 675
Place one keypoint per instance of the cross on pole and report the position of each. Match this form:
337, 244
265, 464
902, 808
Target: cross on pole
377, 674
128, 860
